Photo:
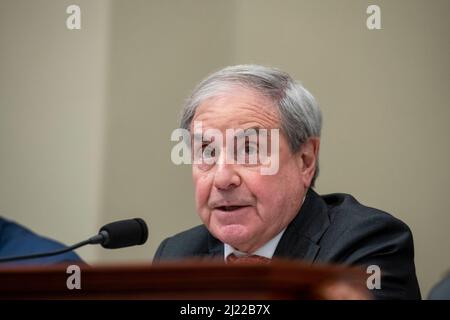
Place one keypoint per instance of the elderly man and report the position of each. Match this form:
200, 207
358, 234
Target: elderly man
248, 214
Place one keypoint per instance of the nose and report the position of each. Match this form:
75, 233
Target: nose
226, 177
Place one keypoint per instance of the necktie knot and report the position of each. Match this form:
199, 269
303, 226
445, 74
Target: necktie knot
251, 259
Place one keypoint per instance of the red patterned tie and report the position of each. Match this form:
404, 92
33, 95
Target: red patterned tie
252, 259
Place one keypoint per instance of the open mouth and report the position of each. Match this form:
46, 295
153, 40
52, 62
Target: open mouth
230, 208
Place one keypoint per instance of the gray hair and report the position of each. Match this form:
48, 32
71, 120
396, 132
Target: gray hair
299, 113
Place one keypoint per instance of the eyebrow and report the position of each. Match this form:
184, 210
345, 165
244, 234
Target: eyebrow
244, 132
240, 133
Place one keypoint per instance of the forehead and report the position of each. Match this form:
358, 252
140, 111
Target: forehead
237, 108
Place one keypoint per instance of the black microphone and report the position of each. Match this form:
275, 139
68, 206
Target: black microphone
114, 235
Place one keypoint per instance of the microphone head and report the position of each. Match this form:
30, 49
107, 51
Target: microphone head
125, 233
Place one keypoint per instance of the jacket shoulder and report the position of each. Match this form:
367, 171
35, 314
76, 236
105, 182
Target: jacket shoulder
357, 228
347, 214
360, 235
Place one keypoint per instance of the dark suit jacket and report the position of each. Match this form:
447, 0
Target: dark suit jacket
16, 240
332, 228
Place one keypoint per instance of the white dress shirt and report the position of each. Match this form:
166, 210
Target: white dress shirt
266, 250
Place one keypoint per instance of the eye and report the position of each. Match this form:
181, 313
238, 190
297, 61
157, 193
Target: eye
208, 151
251, 148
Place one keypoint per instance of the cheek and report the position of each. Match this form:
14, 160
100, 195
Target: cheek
266, 190
202, 183
274, 192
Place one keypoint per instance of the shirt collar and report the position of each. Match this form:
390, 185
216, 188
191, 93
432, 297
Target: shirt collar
266, 250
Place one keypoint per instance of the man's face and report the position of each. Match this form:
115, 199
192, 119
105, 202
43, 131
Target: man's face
239, 205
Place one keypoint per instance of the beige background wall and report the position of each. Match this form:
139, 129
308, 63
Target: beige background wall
86, 116
52, 108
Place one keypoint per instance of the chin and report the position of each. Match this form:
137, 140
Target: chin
233, 235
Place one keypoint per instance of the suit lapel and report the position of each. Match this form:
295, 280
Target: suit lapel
298, 248
215, 247
300, 240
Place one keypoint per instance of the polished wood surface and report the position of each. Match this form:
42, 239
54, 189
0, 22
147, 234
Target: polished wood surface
192, 279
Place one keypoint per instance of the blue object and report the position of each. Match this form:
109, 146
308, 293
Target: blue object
16, 240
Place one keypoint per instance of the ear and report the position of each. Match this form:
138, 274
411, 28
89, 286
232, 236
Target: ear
307, 159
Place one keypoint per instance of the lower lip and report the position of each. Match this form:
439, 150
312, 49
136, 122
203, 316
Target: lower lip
232, 215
